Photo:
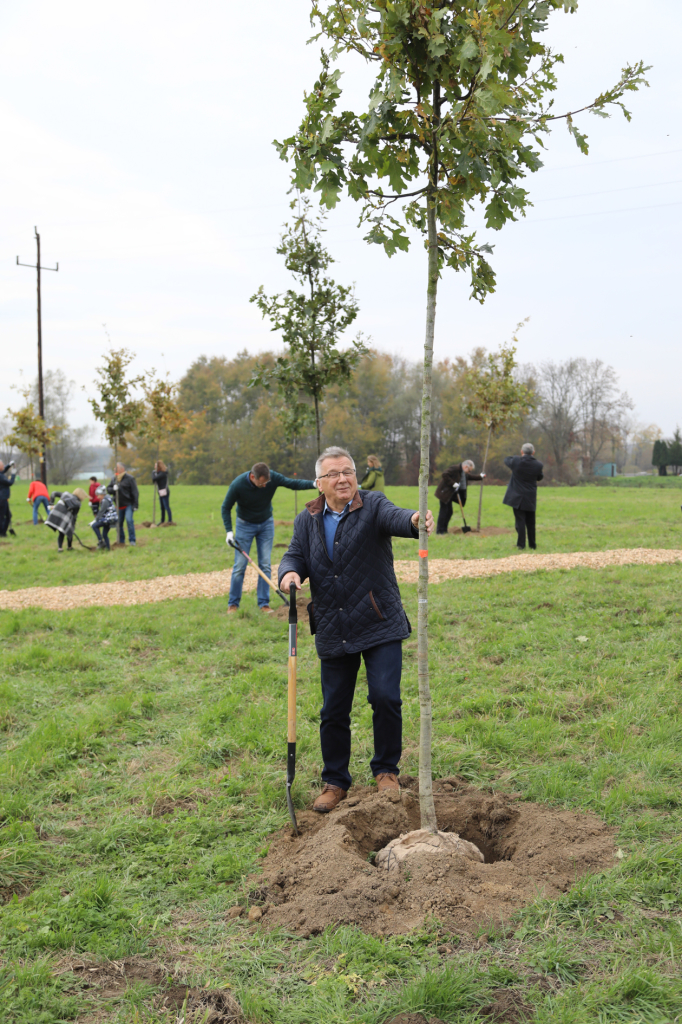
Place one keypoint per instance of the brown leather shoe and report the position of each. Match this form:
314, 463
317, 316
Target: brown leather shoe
385, 780
329, 798
267, 609
232, 608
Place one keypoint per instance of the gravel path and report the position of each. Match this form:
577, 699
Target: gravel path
217, 584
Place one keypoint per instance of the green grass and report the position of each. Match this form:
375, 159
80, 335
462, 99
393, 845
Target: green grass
589, 518
106, 712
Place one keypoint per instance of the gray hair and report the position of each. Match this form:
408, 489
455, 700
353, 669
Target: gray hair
334, 452
527, 448
468, 462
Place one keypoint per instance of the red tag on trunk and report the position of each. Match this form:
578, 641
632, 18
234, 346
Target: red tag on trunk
423, 554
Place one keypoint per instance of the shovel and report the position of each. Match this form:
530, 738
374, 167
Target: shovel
465, 528
291, 704
260, 573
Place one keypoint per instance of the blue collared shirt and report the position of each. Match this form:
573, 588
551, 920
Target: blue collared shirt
330, 521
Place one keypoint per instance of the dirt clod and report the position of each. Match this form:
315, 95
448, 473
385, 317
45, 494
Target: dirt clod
344, 886
507, 1007
112, 979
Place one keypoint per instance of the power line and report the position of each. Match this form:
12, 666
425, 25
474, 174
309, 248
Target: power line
602, 213
609, 191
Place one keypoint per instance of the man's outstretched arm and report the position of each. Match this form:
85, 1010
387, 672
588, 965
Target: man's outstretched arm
400, 522
293, 483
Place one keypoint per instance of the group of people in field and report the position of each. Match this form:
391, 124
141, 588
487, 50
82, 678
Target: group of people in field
113, 505
342, 545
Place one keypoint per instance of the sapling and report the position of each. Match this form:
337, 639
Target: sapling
457, 113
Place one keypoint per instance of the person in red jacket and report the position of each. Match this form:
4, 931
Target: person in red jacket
92, 495
38, 494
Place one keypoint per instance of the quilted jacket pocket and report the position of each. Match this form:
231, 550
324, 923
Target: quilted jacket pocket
311, 619
375, 606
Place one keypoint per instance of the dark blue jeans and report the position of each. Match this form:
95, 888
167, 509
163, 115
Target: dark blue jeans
125, 515
40, 500
102, 534
384, 665
164, 501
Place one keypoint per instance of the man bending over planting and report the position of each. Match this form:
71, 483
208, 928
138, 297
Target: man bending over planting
252, 494
342, 543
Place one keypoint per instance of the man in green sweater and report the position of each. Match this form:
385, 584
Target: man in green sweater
252, 494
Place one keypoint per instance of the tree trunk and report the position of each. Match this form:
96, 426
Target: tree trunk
317, 423
118, 524
426, 804
485, 460
154, 495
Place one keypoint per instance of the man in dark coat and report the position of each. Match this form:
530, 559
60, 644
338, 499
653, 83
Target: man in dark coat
123, 488
522, 492
342, 543
452, 483
7, 477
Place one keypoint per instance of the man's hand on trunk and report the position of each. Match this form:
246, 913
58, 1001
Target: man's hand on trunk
429, 522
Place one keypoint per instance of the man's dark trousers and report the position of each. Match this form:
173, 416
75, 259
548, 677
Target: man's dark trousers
524, 519
446, 507
384, 667
5, 517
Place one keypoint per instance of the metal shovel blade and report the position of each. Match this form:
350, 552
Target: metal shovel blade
466, 529
291, 771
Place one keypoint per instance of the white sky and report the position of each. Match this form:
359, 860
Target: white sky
137, 136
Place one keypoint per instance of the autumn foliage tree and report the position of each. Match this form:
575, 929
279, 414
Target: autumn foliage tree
28, 432
496, 397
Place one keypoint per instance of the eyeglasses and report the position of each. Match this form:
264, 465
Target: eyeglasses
334, 475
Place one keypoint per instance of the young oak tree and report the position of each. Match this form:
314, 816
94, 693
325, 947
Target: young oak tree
457, 113
496, 398
162, 417
29, 433
117, 409
311, 323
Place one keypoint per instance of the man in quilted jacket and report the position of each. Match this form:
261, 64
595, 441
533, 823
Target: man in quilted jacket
342, 544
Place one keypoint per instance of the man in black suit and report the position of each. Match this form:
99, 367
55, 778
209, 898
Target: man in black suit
522, 492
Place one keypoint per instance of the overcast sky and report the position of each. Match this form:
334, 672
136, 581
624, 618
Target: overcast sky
137, 136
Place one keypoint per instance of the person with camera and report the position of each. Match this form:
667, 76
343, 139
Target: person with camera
123, 487
8, 475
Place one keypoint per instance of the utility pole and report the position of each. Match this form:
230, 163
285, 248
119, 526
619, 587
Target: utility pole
41, 400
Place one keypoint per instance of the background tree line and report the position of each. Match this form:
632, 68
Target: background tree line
229, 419
578, 420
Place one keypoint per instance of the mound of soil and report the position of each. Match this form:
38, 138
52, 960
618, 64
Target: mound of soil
282, 610
327, 875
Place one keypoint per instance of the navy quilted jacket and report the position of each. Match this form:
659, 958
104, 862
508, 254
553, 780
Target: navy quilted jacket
356, 601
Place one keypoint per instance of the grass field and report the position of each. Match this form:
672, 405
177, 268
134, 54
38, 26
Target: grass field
142, 771
589, 518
